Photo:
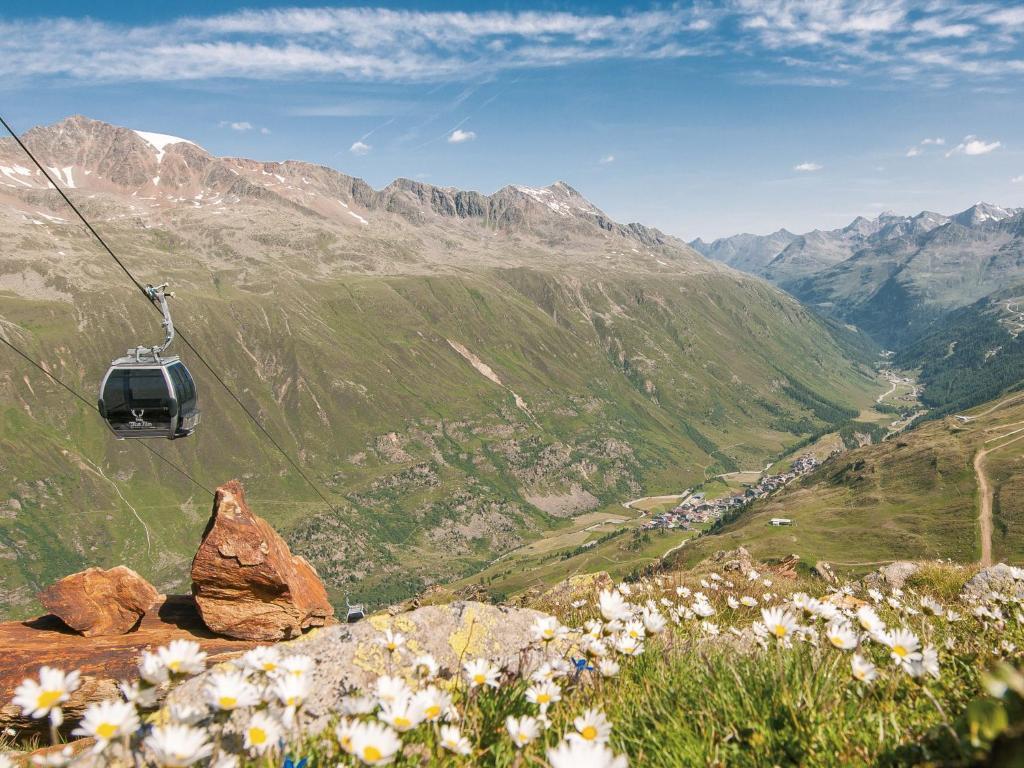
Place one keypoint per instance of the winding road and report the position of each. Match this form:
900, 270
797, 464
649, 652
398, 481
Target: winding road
984, 487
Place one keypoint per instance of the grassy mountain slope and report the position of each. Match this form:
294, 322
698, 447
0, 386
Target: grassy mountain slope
459, 375
914, 496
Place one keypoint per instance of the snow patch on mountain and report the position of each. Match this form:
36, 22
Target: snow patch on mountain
160, 141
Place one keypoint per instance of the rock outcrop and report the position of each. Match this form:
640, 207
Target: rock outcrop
1002, 578
96, 602
349, 657
103, 661
247, 583
894, 574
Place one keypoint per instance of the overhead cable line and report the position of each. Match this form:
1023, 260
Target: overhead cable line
92, 407
181, 335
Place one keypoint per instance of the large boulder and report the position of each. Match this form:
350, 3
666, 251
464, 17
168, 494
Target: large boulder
247, 583
895, 574
98, 602
1000, 578
350, 657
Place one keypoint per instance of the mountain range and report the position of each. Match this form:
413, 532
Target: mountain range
892, 276
457, 372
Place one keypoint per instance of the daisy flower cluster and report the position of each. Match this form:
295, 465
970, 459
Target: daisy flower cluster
549, 706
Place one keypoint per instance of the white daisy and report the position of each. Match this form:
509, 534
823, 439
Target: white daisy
612, 606
543, 694
106, 721
584, 754
453, 740
841, 636
862, 669
261, 733
263, 658
183, 657
374, 744
592, 725
230, 690
780, 623
481, 672
523, 729
178, 746
42, 698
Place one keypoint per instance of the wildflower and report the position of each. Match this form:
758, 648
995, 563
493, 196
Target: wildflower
481, 672
433, 703
185, 713
732, 602
608, 667
593, 629
779, 622
628, 646
183, 657
140, 696
592, 725
45, 697
903, 646
391, 689
635, 629
683, 592
263, 658
178, 746
152, 668
710, 628
358, 705
841, 636
402, 715
748, 601
625, 589
392, 641
292, 690
547, 628
596, 648
296, 665
523, 729
875, 595
753, 575
577, 604
654, 621
703, 608
426, 667
261, 733
106, 721
869, 620
862, 669
576, 754
453, 740
374, 744
543, 694
229, 690
930, 662
344, 731
612, 606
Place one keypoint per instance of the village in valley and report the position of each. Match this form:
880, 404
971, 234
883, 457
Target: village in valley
696, 509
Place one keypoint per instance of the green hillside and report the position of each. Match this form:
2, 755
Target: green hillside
628, 384
915, 496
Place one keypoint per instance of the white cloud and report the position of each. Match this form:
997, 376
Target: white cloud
937, 142
607, 159
241, 126
828, 41
1017, 179
359, 148
808, 167
972, 145
458, 136
265, 131
913, 152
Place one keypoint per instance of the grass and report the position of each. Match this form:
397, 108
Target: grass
912, 497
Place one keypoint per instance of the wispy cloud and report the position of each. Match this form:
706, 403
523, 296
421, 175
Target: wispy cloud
360, 148
1017, 179
801, 42
808, 167
972, 145
606, 159
459, 136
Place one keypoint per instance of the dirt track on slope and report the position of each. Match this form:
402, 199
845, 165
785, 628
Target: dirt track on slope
985, 513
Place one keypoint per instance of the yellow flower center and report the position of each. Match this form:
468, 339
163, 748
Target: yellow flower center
227, 702
106, 731
257, 735
780, 630
371, 754
293, 701
48, 698
899, 650
174, 666
523, 737
402, 722
433, 711
391, 646
543, 698
589, 733
479, 679
634, 634
269, 666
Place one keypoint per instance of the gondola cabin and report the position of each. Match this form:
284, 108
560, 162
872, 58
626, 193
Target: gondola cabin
146, 398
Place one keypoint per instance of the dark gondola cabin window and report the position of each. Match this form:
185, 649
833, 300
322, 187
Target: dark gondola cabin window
184, 387
137, 398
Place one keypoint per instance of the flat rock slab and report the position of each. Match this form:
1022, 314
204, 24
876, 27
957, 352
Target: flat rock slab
98, 602
103, 661
349, 656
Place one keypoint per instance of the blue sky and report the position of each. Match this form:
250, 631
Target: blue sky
699, 118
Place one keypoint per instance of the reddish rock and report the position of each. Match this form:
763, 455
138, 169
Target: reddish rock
247, 583
103, 661
98, 602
